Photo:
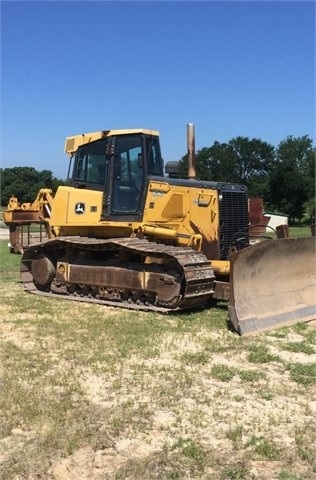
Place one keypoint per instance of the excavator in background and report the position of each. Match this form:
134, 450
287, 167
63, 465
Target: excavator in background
128, 232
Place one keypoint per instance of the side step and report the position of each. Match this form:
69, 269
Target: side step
272, 285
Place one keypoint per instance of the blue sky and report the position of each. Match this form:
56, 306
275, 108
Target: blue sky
231, 68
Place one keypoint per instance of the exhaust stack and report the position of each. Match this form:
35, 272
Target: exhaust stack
191, 151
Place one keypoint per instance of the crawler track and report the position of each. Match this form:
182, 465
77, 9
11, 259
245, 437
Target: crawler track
126, 272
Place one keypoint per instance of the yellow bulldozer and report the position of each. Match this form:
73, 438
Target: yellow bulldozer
129, 232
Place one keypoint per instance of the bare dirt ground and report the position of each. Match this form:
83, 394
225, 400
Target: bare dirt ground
95, 393
207, 412
158, 410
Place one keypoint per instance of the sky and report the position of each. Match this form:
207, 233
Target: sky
231, 68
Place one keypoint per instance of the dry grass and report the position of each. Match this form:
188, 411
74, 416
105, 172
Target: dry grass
91, 393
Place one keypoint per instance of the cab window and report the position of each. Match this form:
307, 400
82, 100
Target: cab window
154, 166
128, 178
90, 164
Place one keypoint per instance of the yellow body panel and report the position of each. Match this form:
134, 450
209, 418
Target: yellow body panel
73, 206
74, 142
79, 212
185, 216
188, 211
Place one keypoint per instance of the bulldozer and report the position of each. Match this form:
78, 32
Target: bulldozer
128, 232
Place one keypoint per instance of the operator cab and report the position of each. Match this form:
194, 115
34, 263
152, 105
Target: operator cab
118, 164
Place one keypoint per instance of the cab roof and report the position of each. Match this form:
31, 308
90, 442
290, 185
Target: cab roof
74, 142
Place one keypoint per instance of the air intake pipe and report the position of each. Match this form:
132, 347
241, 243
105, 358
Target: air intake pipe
191, 151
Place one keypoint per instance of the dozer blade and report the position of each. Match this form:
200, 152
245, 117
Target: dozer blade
273, 284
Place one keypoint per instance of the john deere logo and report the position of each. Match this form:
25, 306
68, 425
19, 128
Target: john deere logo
80, 208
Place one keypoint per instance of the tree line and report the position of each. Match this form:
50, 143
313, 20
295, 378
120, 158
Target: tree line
284, 176
25, 183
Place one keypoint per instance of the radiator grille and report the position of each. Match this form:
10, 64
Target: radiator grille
233, 215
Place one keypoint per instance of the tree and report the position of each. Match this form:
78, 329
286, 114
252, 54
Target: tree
25, 182
241, 160
292, 179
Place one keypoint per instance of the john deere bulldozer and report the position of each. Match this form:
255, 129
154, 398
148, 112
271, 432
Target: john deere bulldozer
129, 233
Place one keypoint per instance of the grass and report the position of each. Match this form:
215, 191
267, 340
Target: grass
264, 448
9, 263
148, 396
261, 354
235, 435
297, 347
299, 231
304, 374
295, 231
235, 472
223, 373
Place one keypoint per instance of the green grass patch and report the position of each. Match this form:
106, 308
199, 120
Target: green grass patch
9, 263
299, 347
305, 331
261, 354
193, 451
238, 471
201, 357
265, 448
300, 231
251, 375
305, 439
286, 474
303, 373
222, 372
235, 435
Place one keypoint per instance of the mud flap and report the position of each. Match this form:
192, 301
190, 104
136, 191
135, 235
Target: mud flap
273, 284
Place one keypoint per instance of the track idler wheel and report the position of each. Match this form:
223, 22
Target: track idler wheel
43, 271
